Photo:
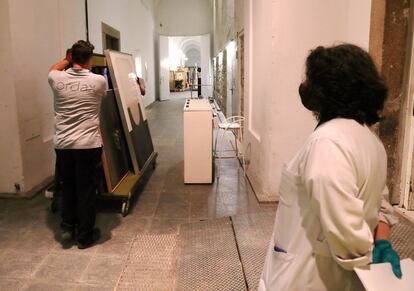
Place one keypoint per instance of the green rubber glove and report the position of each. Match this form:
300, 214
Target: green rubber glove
384, 253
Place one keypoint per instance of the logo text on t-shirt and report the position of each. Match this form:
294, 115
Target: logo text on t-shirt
74, 87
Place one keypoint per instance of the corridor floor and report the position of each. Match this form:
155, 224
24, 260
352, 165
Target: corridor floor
32, 258
187, 237
181, 95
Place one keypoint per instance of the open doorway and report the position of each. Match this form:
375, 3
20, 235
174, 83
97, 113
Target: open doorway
220, 81
227, 86
111, 37
407, 173
185, 69
240, 56
233, 100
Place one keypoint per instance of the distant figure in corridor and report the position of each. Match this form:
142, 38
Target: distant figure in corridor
141, 85
333, 213
77, 98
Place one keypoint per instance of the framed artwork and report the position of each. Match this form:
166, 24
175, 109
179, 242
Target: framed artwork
131, 108
115, 157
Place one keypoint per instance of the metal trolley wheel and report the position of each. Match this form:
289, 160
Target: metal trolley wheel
125, 205
125, 208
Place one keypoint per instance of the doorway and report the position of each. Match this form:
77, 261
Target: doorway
240, 57
164, 68
220, 83
227, 77
111, 38
407, 161
233, 101
407, 173
185, 69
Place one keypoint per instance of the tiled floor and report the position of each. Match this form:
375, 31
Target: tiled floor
32, 258
184, 94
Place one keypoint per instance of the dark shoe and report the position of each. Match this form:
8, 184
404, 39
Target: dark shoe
96, 235
66, 235
67, 231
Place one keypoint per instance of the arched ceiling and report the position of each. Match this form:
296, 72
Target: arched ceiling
188, 43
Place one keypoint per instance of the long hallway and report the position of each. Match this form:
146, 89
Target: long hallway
290, 80
176, 236
33, 258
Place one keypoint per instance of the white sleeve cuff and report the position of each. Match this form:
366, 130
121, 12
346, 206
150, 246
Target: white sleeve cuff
350, 264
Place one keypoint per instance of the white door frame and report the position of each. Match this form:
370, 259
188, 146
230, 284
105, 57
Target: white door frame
164, 66
407, 173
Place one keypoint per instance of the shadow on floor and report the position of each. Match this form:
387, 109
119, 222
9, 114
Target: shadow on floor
53, 220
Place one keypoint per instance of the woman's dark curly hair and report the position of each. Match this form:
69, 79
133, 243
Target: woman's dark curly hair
344, 82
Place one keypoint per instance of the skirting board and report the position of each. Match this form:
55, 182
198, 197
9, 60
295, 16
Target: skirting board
32, 192
261, 195
409, 215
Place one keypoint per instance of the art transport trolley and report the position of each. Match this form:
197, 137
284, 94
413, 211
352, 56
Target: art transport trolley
128, 151
128, 147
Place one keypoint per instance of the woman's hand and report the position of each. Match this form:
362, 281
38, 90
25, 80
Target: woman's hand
383, 251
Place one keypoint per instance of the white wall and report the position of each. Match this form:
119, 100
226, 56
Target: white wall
228, 21
183, 17
72, 23
279, 36
40, 32
11, 170
135, 21
36, 34
206, 69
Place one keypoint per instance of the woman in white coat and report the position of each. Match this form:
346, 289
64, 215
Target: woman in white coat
333, 212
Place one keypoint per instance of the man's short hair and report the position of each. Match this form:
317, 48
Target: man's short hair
82, 51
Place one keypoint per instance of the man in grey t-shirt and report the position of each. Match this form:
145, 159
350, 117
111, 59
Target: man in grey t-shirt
78, 144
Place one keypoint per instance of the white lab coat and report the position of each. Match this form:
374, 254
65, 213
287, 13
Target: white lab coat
332, 196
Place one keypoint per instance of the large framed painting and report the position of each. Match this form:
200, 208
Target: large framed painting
131, 108
115, 159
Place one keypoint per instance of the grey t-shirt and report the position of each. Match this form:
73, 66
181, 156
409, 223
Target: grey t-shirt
77, 98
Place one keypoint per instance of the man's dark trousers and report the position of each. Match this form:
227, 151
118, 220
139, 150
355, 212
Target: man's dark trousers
78, 172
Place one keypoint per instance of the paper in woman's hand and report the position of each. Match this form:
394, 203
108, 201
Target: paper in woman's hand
379, 277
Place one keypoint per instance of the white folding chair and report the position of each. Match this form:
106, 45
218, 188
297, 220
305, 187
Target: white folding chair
234, 125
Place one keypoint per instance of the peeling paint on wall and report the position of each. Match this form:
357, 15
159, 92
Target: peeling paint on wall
393, 60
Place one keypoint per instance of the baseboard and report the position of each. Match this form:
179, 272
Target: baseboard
261, 195
409, 215
32, 192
